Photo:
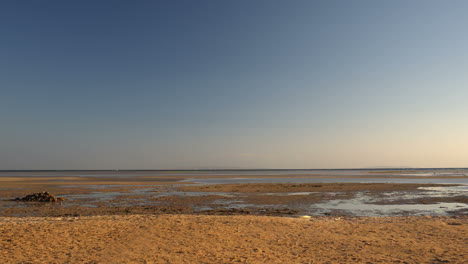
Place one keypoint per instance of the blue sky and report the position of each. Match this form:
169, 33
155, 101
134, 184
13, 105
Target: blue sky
233, 84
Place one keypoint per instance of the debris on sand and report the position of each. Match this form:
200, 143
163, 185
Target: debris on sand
305, 216
251, 211
40, 197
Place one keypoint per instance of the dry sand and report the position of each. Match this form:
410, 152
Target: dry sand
104, 234
233, 239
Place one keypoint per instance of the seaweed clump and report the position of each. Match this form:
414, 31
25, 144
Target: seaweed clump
40, 197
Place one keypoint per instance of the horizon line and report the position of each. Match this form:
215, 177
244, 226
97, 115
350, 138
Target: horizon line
243, 169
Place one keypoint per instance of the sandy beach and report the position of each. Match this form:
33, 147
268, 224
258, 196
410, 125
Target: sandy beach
233, 239
219, 132
166, 220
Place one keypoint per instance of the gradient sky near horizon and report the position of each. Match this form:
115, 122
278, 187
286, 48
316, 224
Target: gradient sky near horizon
233, 84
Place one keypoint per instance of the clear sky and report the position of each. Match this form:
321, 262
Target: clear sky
233, 84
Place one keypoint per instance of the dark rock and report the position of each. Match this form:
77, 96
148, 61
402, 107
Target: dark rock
40, 197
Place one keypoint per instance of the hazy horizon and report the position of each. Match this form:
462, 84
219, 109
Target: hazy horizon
246, 84
377, 168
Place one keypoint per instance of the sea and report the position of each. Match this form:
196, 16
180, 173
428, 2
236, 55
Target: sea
387, 175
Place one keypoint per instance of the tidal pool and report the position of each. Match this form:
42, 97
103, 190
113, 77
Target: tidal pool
364, 204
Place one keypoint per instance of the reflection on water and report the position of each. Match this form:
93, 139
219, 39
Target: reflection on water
194, 194
325, 180
448, 191
427, 192
323, 172
362, 205
232, 204
112, 198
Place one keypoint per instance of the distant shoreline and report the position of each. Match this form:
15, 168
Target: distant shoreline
201, 170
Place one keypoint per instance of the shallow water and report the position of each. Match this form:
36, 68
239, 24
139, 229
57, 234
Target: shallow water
168, 173
326, 180
362, 205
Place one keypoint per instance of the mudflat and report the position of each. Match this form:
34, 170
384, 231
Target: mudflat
111, 195
306, 187
161, 197
163, 220
233, 239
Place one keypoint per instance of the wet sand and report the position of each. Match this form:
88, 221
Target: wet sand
104, 195
193, 225
306, 187
233, 239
